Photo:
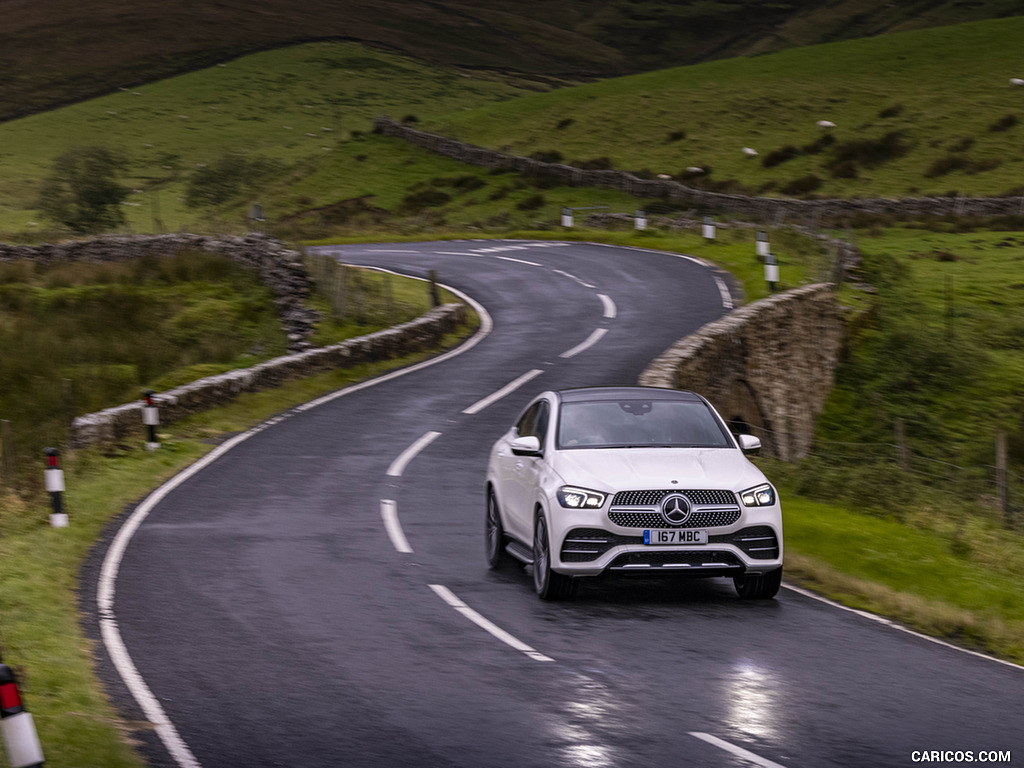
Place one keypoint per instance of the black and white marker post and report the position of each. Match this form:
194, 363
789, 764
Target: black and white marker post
771, 271
16, 725
762, 244
640, 222
708, 229
150, 417
54, 478
567, 217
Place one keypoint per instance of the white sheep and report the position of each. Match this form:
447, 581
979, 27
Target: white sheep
694, 169
750, 152
664, 176
1016, 81
826, 124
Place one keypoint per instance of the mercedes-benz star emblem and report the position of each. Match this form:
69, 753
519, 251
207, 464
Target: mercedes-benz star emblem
675, 508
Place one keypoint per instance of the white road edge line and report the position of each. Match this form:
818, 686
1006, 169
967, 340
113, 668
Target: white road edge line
399, 464
590, 341
609, 306
389, 511
106, 585
494, 397
745, 754
895, 625
723, 289
449, 597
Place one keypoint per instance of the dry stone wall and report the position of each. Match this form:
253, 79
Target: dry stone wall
767, 367
123, 422
765, 208
280, 269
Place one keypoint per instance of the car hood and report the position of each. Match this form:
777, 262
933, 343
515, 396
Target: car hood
619, 469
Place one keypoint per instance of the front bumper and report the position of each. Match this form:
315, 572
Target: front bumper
589, 544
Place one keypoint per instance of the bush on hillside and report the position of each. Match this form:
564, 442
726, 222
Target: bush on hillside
230, 175
82, 191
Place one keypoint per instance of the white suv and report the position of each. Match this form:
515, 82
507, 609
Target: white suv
631, 479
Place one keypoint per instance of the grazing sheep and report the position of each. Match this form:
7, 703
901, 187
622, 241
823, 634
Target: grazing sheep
664, 176
750, 152
1016, 81
694, 169
826, 124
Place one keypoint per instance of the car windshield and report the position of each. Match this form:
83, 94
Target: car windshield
639, 424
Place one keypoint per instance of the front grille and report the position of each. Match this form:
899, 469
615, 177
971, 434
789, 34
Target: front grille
651, 498
700, 518
757, 542
683, 561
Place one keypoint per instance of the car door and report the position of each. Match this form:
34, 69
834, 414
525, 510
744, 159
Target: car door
526, 470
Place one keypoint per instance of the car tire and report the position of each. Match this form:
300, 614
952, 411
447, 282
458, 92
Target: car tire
494, 534
760, 586
548, 584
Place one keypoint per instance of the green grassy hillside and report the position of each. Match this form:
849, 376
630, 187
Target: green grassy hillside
63, 51
927, 112
922, 113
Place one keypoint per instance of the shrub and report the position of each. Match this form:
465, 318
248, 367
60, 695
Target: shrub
963, 144
467, 183
427, 198
960, 162
230, 175
779, 156
892, 111
675, 136
547, 156
802, 186
1005, 123
844, 170
530, 203
410, 119
870, 152
818, 145
82, 192
594, 164
564, 123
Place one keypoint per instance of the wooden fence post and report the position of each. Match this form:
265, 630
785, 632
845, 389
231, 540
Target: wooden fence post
1001, 478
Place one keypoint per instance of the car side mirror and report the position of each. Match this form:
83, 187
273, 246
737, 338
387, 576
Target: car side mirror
749, 443
526, 446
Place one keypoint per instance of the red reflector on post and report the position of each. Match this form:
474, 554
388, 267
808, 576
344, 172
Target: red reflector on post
10, 699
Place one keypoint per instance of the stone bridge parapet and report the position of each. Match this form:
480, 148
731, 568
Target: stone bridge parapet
767, 367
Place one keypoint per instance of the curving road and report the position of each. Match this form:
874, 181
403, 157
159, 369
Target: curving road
317, 595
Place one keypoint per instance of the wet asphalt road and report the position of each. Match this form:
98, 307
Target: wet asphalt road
272, 616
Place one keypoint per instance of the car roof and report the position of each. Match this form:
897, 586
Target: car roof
591, 394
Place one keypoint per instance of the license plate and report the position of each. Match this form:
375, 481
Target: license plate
675, 536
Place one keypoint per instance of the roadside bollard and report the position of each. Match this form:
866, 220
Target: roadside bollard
771, 271
762, 243
16, 726
54, 477
640, 221
707, 229
150, 417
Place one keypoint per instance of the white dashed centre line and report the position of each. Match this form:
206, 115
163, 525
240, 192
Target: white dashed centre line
389, 512
398, 465
590, 341
518, 261
512, 386
740, 752
446, 594
609, 306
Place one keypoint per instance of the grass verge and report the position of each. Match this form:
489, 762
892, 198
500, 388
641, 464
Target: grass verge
969, 595
39, 565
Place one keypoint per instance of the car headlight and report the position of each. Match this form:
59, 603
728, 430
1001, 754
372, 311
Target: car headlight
758, 496
580, 498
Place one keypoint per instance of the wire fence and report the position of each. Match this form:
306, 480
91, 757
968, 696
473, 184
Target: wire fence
888, 475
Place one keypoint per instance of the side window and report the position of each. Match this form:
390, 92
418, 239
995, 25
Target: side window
541, 427
525, 425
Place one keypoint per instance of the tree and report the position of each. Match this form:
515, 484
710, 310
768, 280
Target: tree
82, 191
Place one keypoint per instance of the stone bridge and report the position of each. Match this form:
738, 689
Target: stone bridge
767, 367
